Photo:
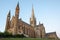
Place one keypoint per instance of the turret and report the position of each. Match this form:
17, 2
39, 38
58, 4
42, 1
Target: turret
17, 11
42, 30
8, 22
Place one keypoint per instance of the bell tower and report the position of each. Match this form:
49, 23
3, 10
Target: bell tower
33, 19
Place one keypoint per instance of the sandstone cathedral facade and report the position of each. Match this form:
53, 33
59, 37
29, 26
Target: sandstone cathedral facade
18, 26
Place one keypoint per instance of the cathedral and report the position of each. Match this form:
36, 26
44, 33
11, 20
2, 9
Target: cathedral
18, 26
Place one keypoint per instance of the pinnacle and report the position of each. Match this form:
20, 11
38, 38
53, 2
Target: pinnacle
18, 4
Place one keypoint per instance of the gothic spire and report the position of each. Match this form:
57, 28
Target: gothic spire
32, 12
33, 19
17, 5
17, 10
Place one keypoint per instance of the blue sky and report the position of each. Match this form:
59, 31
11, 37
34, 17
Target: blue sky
46, 12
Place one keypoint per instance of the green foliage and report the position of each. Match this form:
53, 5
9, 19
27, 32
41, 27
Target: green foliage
9, 35
4, 35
